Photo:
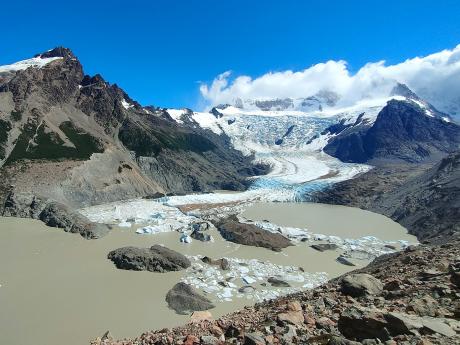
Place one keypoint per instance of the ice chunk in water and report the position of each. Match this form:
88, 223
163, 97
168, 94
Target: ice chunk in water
145, 230
125, 225
185, 239
248, 280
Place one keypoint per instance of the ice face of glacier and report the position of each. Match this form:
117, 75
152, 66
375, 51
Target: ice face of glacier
291, 142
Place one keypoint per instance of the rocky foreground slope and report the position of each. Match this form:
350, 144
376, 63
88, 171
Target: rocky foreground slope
410, 297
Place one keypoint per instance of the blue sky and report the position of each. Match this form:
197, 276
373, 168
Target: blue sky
159, 51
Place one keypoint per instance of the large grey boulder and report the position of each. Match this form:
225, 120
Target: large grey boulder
153, 259
361, 284
184, 299
361, 323
60, 216
252, 235
400, 323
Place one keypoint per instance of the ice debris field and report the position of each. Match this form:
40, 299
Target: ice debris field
249, 279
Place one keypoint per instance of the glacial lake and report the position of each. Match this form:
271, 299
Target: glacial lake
57, 287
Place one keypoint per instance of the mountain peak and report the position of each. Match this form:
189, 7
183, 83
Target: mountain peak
57, 52
401, 89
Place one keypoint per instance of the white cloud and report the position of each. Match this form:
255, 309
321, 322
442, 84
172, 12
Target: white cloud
435, 77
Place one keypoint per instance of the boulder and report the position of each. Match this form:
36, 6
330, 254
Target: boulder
294, 306
455, 278
154, 259
209, 340
246, 289
392, 285
252, 235
321, 247
222, 263
184, 299
253, 339
360, 284
60, 216
400, 323
198, 316
344, 261
278, 282
291, 317
423, 305
53, 214
191, 340
359, 324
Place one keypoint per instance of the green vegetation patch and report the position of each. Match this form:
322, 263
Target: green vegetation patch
35, 143
5, 127
150, 143
16, 115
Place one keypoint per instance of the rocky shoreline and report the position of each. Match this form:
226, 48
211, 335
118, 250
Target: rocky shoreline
410, 297
51, 213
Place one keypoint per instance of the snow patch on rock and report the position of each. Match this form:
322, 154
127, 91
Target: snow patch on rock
36, 62
125, 104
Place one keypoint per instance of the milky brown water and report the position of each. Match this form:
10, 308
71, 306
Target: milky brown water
59, 288
342, 221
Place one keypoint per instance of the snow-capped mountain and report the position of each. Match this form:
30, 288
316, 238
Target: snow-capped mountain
279, 124
285, 137
322, 99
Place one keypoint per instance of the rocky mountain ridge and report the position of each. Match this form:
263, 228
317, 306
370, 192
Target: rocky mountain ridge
423, 198
79, 140
402, 131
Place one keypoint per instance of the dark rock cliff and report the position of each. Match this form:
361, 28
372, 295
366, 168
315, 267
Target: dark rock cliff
402, 132
424, 199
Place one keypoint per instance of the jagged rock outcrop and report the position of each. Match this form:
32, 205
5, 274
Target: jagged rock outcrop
154, 259
53, 214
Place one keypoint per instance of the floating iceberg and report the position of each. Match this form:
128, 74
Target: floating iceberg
248, 280
185, 239
150, 229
